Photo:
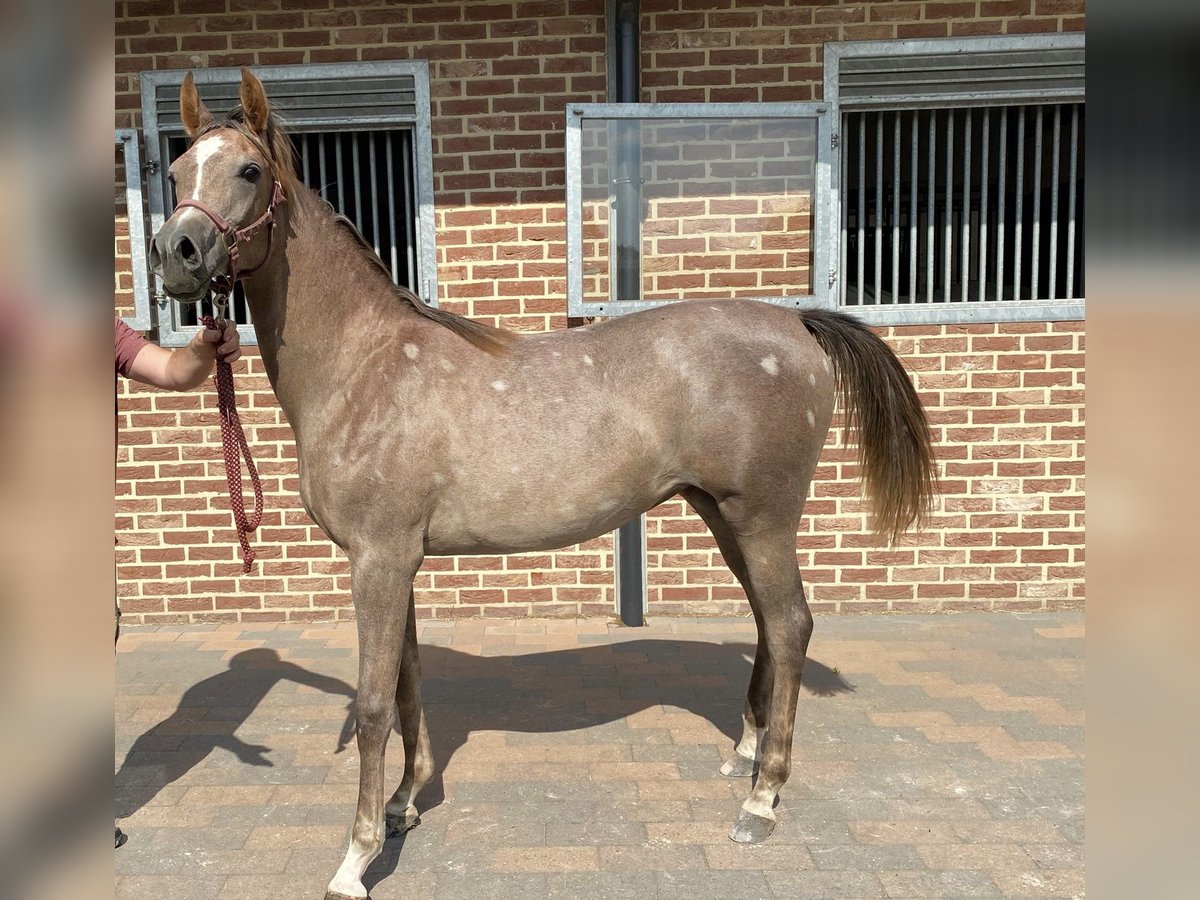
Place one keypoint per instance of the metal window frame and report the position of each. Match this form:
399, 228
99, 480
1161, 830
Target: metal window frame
952, 312
169, 333
127, 138
823, 235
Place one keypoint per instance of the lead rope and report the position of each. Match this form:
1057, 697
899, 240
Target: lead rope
235, 448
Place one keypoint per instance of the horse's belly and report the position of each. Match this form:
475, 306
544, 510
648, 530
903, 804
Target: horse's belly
537, 519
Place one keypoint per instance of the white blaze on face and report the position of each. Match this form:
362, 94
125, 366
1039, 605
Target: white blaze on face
770, 364
411, 351
205, 151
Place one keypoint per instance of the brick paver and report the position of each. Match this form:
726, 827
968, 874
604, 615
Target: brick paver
934, 756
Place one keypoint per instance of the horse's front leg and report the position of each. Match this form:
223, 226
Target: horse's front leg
382, 585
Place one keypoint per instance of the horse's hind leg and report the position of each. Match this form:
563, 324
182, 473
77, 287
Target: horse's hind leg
401, 810
382, 586
743, 762
785, 626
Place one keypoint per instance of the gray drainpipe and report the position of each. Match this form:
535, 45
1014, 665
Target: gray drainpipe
624, 31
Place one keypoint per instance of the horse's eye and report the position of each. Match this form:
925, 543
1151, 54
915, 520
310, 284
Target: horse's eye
251, 173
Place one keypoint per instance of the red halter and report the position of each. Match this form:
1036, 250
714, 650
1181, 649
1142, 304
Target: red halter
224, 283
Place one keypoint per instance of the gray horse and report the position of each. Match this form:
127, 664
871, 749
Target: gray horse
422, 433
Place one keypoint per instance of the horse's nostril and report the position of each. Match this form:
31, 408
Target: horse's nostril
188, 250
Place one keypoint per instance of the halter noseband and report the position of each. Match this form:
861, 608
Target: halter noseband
223, 284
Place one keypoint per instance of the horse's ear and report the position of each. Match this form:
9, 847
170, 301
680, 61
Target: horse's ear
192, 110
254, 103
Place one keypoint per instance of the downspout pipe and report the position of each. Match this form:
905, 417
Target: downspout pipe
627, 190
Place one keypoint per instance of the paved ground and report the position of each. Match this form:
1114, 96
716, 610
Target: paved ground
934, 756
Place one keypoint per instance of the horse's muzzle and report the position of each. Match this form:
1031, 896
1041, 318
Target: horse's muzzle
186, 254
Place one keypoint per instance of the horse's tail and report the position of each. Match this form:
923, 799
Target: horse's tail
882, 409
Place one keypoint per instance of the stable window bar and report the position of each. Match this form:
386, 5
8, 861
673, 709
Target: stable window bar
715, 201
362, 137
961, 183
133, 295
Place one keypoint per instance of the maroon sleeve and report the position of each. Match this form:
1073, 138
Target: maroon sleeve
128, 344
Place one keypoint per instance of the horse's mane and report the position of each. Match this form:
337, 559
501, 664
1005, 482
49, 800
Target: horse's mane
485, 337
276, 146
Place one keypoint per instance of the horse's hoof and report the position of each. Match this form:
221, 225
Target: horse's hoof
751, 829
394, 826
333, 895
739, 766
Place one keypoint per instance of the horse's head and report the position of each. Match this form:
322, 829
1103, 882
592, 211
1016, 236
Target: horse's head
227, 185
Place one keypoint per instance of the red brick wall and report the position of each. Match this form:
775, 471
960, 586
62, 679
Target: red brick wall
1006, 401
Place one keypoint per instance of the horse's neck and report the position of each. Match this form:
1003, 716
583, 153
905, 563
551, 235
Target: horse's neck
309, 305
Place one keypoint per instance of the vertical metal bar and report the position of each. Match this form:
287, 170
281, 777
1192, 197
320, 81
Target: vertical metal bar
392, 205
359, 218
1020, 161
1054, 155
965, 274
1071, 202
878, 206
947, 254
896, 207
842, 279
931, 207
914, 188
304, 140
337, 173
1000, 189
1034, 270
374, 191
862, 203
984, 177
410, 220
321, 160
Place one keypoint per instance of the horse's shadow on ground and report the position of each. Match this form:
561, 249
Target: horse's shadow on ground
548, 692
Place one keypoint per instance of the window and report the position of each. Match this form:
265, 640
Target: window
680, 201
959, 178
362, 138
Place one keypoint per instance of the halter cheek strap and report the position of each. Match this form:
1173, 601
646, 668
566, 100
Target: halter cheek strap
240, 235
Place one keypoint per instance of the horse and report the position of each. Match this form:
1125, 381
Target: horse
420, 432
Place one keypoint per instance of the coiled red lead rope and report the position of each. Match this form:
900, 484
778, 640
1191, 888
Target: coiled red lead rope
235, 448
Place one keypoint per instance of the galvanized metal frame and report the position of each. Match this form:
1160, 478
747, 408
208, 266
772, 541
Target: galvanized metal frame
824, 273
835, 52
140, 320
168, 331
951, 312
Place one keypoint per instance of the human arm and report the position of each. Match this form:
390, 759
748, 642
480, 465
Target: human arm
187, 367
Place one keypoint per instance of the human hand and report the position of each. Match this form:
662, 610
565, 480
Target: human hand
220, 344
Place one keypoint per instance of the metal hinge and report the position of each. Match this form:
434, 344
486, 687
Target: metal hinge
835, 140
833, 274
